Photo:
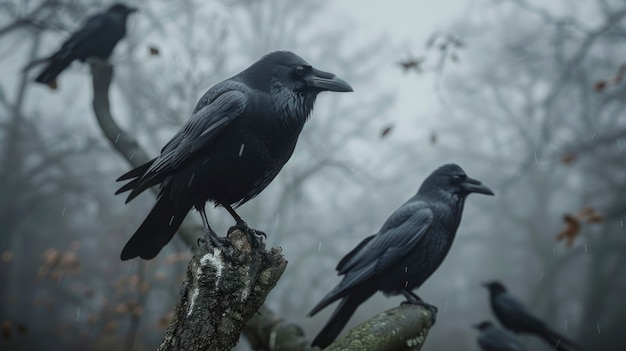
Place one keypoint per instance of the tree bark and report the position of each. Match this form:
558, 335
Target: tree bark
219, 295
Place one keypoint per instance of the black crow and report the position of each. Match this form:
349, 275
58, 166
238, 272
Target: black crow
240, 134
516, 317
97, 38
409, 247
492, 338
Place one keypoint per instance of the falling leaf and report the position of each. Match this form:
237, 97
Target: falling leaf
599, 86
154, 51
385, 132
412, 64
571, 230
568, 159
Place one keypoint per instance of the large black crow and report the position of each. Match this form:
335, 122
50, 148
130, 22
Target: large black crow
405, 252
240, 134
516, 317
492, 338
97, 38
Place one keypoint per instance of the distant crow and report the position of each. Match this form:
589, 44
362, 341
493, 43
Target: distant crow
240, 135
97, 38
516, 317
492, 338
405, 252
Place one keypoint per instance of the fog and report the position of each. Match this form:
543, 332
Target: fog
526, 97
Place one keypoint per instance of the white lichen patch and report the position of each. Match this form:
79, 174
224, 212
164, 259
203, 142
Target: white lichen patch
416, 341
215, 260
246, 290
194, 295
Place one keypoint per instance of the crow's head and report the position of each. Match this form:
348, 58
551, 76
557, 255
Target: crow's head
292, 82
122, 9
495, 287
450, 181
483, 325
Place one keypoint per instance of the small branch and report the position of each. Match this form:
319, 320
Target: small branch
402, 328
218, 296
122, 142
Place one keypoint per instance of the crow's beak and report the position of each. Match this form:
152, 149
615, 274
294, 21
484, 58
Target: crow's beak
327, 81
474, 186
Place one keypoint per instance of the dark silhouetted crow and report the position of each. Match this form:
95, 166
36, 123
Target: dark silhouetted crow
241, 133
97, 38
516, 317
492, 338
405, 252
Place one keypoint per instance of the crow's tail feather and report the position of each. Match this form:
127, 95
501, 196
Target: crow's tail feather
57, 63
339, 319
156, 230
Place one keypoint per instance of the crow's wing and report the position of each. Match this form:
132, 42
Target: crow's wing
516, 313
93, 24
397, 238
218, 108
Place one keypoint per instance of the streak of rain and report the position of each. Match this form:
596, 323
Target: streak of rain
598, 326
116, 139
541, 276
63, 212
319, 247
132, 155
78, 309
241, 149
445, 308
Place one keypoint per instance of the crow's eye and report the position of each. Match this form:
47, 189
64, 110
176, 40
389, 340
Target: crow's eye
457, 178
300, 70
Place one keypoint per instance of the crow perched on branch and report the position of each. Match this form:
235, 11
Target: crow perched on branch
492, 338
409, 247
516, 317
240, 134
97, 38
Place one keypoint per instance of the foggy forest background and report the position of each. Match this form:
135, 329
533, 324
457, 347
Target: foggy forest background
524, 96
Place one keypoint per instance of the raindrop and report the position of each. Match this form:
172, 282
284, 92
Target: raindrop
319, 247
63, 212
593, 135
541, 276
241, 149
535, 158
171, 220
621, 222
406, 269
77, 313
116, 139
585, 248
406, 284
445, 308
598, 326
132, 155
193, 175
